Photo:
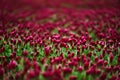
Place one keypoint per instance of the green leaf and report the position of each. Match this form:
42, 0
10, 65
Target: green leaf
8, 59
81, 75
19, 52
19, 67
89, 77
114, 62
41, 51
92, 58
86, 51
41, 77
63, 50
118, 50
94, 37
98, 53
7, 51
108, 75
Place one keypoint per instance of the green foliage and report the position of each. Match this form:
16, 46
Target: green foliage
114, 62
7, 51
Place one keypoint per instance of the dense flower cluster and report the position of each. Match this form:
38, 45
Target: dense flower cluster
60, 40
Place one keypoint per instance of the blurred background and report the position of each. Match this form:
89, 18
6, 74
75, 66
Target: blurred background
58, 3
8, 8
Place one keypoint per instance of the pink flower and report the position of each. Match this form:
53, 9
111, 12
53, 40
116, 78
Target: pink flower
86, 65
37, 71
12, 64
30, 74
111, 57
18, 75
113, 77
56, 36
58, 59
73, 77
1, 71
100, 62
67, 70
27, 64
103, 76
25, 53
71, 63
47, 50
80, 68
57, 75
47, 74
42, 60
